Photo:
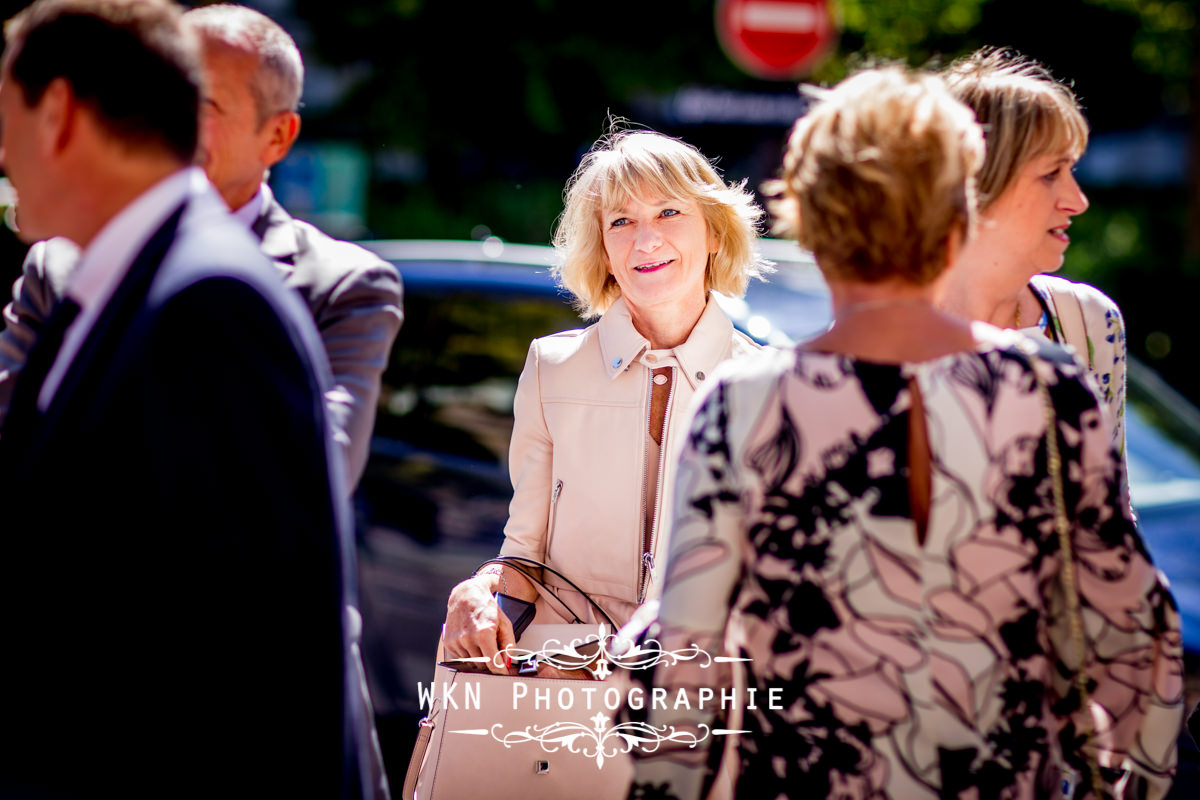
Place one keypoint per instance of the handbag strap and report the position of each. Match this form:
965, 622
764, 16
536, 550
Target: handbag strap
1067, 574
542, 589
519, 562
418, 757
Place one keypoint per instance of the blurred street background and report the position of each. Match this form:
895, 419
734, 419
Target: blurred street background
462, 119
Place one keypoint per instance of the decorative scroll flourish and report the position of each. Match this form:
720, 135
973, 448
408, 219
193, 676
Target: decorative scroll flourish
599, 652
602, 740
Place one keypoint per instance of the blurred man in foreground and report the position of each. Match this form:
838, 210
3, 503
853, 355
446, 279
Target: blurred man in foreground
253, 79
175, 550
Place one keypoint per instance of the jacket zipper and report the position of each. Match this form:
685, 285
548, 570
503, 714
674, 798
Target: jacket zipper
553, 515
645, 470
649, 541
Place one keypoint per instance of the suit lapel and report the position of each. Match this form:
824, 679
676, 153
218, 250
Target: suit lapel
100, 345
277, 235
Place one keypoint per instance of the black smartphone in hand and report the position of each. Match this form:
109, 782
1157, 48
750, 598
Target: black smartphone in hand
519, 612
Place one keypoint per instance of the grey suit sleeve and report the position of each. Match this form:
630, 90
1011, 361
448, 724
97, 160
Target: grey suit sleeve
35, 294
358, 325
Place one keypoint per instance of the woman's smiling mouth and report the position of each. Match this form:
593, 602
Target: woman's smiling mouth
657, 265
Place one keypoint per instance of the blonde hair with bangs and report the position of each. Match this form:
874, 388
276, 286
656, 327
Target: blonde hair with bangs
627, 164
878, 174
1025, 113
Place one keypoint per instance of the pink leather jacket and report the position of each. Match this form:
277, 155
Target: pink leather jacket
578, 456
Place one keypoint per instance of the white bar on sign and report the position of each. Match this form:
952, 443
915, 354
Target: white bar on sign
778, 17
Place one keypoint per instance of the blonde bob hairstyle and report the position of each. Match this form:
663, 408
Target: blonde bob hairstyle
1024, 111
638, 164
878, 174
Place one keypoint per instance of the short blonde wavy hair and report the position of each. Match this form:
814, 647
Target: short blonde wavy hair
628, 163
1025, 113
878, 174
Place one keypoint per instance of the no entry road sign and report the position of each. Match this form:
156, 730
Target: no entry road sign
774, 39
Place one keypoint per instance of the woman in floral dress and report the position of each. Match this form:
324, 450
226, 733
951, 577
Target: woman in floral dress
874, 512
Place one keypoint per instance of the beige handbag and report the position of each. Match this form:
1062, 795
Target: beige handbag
489, 736
525, 737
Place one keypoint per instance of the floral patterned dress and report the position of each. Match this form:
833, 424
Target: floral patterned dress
905, 669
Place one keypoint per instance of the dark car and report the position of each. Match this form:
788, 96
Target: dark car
434, 499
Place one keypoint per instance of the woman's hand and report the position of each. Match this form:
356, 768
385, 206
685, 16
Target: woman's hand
475, 626
548, 671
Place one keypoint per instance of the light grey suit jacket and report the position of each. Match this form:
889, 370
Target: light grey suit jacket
354, 297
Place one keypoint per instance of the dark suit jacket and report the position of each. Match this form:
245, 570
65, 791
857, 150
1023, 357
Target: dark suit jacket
174, 561
353, 295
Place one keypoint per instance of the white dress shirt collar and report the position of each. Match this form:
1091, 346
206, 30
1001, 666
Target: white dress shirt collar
104, 263
253, 208
106, 259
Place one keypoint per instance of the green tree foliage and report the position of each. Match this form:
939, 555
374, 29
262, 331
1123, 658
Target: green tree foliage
902, 29
499, 95
499, 100
1162, 38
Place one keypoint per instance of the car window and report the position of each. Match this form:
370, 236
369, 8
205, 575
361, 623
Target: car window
445, 407
1162, 469
454, 368
434, 499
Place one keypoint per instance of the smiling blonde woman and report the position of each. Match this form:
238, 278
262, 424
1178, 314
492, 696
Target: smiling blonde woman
649, 231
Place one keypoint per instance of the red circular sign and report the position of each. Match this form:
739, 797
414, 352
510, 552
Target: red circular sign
774, 39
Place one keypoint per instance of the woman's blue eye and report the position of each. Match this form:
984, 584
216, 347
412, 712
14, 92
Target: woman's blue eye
616, 223
669, 212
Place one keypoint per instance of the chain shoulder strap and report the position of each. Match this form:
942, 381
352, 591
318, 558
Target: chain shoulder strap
1068, 573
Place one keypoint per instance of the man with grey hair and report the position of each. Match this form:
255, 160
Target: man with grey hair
178, 550
254, 75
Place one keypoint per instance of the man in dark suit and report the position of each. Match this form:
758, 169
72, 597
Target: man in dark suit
254, 75
175, 545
